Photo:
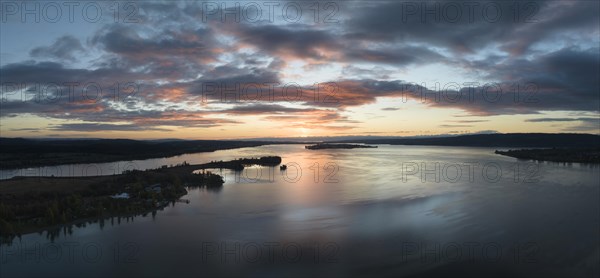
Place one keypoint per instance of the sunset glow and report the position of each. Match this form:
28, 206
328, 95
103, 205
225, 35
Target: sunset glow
198, 76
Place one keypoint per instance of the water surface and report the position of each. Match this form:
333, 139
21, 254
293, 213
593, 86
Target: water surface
395, 210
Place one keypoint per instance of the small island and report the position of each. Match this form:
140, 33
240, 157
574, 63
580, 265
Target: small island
30, 204
588, 155
322, 146
239, 164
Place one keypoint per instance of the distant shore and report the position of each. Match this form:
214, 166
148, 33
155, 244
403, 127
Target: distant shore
587, 155
20, 153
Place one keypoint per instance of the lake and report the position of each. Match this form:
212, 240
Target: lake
393, 210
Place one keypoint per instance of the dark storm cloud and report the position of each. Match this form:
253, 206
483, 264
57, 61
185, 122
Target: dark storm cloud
304, 42
127, 42
30, 72
467, 26
400, 56
556, 18
14, 108
569, 68
168, 54
299, 41
566, 79
63, 48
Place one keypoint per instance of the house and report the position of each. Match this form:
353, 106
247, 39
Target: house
156, 188
120, 196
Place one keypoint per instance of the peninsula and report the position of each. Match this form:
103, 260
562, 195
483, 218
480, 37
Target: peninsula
322, 146
30, 204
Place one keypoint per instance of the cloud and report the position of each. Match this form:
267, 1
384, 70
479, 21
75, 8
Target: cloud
128, 43
64, 48
452, 126
33, 130
97, 127
549, 63
397, 56
565, 79
31, 72
257, 109
298, 41
541, 120
167, 54
586, 124
468, 27
470, 121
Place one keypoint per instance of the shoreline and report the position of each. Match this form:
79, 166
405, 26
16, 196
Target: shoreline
20, 153
55, 230
37, 204
559, 155
9, 167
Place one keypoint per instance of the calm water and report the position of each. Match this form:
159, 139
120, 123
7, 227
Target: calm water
394, 210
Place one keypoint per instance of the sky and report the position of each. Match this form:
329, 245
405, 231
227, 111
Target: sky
255, 69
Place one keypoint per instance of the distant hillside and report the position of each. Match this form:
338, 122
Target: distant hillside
25, 153
516, 140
